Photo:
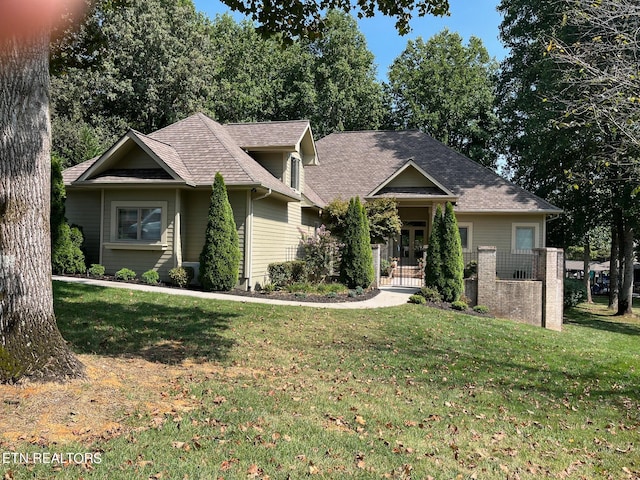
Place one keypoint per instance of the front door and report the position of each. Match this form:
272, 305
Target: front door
410, 246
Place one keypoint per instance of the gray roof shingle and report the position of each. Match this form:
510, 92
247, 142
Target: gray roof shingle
267, 134
355, 163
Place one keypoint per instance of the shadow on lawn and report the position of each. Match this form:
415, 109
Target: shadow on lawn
164, 333
599, 318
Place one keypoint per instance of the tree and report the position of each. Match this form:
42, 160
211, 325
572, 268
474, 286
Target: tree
601, 68
447, 90
347, 94
31, 344
433, 273
452, 259
382, 215
356, 267
66, 254
220, 256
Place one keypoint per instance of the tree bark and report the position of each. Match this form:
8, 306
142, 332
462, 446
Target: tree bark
586, 268
625, 302
30, 342
613, 268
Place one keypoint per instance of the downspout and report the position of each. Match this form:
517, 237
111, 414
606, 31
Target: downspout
249, 240
101, 226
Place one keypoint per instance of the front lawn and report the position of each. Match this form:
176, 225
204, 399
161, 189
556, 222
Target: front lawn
187, 388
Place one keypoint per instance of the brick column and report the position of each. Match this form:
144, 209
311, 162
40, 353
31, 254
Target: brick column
549, 270
376, 265
487, 277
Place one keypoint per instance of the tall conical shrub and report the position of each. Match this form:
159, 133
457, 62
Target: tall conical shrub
220, 257
452, 259
356, 267
66, 241
433, 266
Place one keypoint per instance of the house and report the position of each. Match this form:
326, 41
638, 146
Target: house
421, 173
143, 203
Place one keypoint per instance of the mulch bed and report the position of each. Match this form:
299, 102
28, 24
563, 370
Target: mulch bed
276, 295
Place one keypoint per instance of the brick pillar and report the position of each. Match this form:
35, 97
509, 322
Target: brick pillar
487, 277
376, 265
549, 270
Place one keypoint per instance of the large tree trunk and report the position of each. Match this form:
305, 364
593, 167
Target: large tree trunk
613, 268
625, 302
30, 343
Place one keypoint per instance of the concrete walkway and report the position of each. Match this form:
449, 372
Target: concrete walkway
388, 296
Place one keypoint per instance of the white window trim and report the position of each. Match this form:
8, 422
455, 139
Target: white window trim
469, 227
536, 236
122, 244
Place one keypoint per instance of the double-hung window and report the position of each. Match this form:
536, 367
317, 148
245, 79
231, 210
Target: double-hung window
466, 235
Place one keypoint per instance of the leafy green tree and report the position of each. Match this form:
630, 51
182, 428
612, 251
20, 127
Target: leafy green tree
66, 254
433, 273
382, 214
356, 267
348, 96
451, 255
447, 90
220, 256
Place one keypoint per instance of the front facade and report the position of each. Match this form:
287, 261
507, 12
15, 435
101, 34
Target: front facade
143, 204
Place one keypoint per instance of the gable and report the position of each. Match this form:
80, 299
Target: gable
411, 181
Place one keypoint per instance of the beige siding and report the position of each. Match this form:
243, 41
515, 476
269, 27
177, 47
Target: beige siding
310, 219
138, 158
274, 162
83, 209
275, 235
195, 210
496, 230
410, 177
139, 260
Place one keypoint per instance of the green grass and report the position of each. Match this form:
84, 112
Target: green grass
405, 392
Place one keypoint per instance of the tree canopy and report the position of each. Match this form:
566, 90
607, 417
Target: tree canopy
447, 90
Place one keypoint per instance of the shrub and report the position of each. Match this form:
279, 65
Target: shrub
125, 274
96, 270
471, 270
356, 267
220, 256
268, 288
481, 309
385, 267
283, 274
431, 294
417, 299
459, 305
332, 295
66, 241
181, 276
331, 288
574, 292
321, 252
452, 259
433, 265
299, 287
150, 277
359, 290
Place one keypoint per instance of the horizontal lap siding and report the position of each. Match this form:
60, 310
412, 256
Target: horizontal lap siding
139, 260
275, 234
496, 230
195, 211
83, 209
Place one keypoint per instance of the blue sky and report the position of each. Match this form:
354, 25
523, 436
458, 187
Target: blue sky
469, 18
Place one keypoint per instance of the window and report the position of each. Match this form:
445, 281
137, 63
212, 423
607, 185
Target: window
295, 173
138, 225
466, 237
524, 237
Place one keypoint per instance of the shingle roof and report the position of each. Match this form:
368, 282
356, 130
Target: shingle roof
267, 134
355, 163
196, 148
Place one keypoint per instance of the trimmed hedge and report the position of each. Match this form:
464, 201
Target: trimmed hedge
283, 274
